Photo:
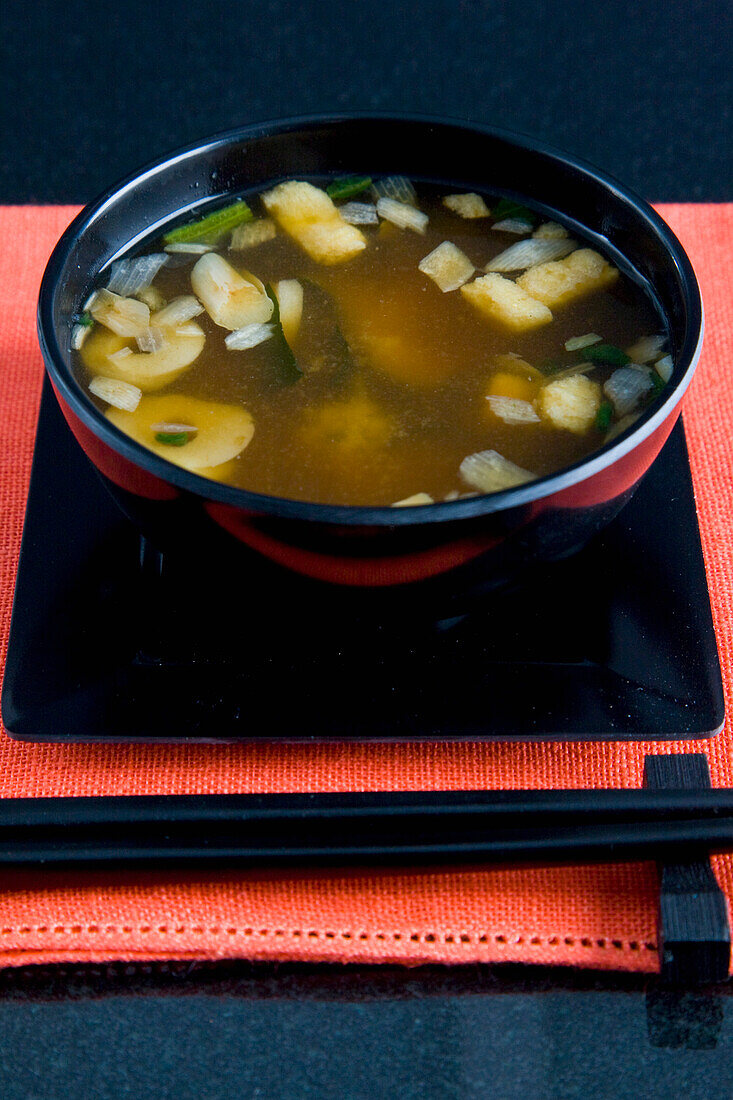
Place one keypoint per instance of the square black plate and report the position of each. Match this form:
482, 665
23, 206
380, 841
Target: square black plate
111, 644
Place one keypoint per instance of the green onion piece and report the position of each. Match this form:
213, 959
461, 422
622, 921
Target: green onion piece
507, 208
603, 416
289, 371
85, 319
606, 353
347, 186
213, 225
173, 439
658, 384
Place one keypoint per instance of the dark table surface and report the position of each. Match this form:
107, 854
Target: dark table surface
87, 94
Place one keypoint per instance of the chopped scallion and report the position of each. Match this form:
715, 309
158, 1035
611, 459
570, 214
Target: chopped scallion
402, 214
249, 336
348, 186
576, 343
518, 226
658, 383
211, 226
398, 188
604, 416
507, 208
359, 213
606, 353
173, 439
85, 319
189, 248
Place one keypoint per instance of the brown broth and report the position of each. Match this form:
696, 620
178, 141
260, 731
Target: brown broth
370, 427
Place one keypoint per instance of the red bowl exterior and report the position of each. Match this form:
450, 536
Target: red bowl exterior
373, 557
459, 546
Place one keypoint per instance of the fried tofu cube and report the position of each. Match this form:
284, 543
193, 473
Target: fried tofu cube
331, 242
506, 303
570, 403
513, 410
469, 205
447, 266
550, 231
309, 216
558, 282
348, 426
252, 233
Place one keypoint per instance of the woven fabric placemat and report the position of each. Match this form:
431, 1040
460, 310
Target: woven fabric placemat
601, 916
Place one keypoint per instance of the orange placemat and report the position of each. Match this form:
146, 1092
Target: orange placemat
601, 916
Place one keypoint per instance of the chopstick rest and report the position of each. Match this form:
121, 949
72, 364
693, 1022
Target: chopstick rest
693, 930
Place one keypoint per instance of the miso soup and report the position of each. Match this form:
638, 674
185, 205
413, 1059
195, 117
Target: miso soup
370, 343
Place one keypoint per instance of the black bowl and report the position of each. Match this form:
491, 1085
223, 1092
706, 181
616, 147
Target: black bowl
439, 549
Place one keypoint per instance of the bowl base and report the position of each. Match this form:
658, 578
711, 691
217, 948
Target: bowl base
111, 641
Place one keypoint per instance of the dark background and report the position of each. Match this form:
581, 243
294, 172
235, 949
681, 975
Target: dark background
90, 92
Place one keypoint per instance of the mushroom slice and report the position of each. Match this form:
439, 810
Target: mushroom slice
177, 312
125, 316
413, 501
222, 431
231, 300
290, 299
147, 370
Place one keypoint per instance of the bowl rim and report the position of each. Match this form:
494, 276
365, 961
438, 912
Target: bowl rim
366, 515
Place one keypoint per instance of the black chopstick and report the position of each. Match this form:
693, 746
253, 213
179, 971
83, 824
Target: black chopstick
437, 827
